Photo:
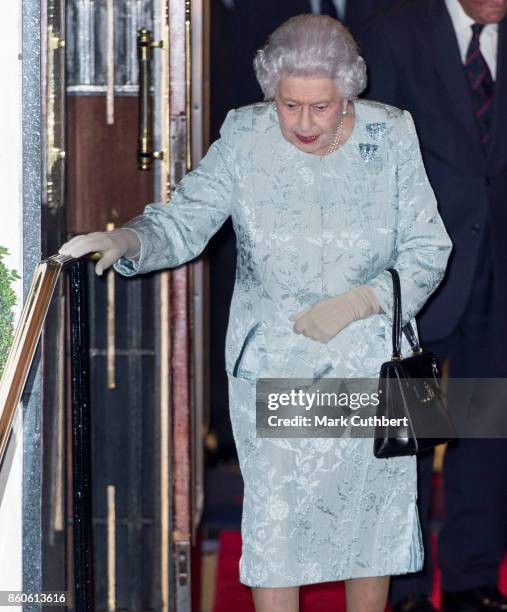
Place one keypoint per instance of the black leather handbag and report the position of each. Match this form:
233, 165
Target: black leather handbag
411, 406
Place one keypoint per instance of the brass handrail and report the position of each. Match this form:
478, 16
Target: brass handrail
26, 338
19, 362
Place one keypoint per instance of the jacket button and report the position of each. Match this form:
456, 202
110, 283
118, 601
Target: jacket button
476, 228
487, 181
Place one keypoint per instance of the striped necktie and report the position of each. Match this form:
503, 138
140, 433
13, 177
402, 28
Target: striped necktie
481, 84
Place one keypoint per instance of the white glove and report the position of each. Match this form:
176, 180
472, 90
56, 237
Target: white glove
326, 318
117, 243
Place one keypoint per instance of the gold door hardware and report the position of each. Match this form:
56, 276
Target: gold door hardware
55, 152
111, 324
182, 554
110, 62
145, 152
111, 547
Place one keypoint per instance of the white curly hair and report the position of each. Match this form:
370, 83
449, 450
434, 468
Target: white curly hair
311, 45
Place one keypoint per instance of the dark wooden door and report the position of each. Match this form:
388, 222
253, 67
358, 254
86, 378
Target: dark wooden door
148, 361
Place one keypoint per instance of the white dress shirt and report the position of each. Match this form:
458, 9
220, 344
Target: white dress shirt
340, 6
488, 38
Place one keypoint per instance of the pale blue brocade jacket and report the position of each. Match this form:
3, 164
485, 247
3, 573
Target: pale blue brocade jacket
307, 228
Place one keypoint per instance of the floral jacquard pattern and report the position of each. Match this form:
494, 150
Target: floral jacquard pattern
307, 228
318, 510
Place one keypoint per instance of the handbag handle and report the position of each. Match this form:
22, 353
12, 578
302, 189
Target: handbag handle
407, 329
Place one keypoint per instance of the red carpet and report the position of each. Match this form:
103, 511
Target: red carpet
231, 595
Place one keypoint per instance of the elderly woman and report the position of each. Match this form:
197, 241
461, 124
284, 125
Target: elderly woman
325, 192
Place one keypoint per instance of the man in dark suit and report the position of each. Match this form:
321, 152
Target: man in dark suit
446, 62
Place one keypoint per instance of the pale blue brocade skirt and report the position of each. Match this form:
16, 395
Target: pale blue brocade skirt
321, 509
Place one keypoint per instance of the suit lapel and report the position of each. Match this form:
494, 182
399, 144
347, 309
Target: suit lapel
500, 89
448, 63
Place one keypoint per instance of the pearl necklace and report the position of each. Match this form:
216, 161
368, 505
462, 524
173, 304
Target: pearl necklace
335, 143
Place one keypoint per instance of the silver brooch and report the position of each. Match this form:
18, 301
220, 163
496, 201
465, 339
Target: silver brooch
376, 131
